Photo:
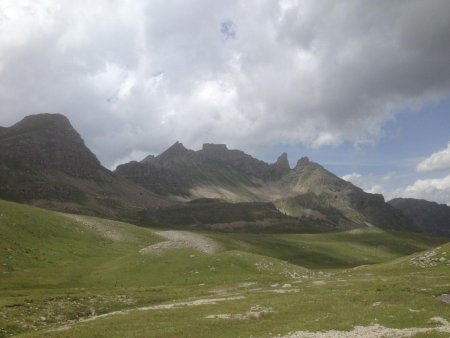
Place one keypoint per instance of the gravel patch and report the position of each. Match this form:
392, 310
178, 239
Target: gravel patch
444, 298
99, 227
255, 312
182, 239
375, 331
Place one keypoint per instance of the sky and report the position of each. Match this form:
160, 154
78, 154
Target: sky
362, 87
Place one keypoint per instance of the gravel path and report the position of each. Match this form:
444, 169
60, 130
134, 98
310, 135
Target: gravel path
168, 306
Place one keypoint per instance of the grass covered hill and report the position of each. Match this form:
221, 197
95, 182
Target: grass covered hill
65, 275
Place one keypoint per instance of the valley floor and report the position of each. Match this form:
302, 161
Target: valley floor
76, 276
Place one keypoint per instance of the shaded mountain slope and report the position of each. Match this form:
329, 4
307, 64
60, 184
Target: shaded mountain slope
308, 191
179, 171
44, 161
320, 194
431, 217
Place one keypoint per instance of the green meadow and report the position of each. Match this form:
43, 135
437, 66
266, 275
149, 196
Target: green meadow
78, 276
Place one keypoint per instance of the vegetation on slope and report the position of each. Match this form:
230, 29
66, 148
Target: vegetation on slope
59, 270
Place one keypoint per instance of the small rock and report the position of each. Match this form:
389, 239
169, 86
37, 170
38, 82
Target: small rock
286, 286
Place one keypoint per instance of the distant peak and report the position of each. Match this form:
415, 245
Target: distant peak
177, 145
174, 150
54, 124
282, 161
214, 147
148, 158
302, 162
44, 121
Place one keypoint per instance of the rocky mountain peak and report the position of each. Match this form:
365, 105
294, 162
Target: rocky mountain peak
48, 142
302, 162
148, 158
214, 147
55, 125
174, 150
283, 162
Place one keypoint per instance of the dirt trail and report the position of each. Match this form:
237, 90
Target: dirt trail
182, 239
168, 306
375, 331
99, 227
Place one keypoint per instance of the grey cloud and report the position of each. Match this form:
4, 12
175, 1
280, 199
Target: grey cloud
134, 76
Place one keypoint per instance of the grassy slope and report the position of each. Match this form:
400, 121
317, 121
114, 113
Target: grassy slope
331, 250
55, 269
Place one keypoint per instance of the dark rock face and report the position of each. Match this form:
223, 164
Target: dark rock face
281, 166
431, 217
178, 169
44, 161
47, 142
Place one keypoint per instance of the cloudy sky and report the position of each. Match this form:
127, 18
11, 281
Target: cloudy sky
362, 87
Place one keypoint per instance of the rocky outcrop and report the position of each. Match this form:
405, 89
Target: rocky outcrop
44, 161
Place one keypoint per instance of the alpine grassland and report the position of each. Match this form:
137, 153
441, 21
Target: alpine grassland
65, 275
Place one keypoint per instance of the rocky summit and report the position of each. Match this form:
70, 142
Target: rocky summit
44, 161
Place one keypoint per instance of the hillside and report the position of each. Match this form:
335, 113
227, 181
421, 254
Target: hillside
431, 217
44, 161
67, 275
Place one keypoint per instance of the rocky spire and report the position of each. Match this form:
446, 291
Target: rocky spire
283, 162
302, 162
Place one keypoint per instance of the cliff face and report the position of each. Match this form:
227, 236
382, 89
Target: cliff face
47, 142
44, 161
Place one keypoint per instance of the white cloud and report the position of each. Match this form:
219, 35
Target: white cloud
437, 190
369, 183
436, 162
351, 177
135, 75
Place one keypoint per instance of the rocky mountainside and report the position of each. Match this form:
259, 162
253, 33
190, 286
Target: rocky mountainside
44, 161
179, 171
431, 217
308, 191
314, 191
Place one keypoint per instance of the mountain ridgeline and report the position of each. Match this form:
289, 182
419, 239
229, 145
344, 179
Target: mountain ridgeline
306, 193
44, 162
430, 217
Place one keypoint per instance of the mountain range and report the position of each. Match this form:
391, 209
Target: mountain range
44, 161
